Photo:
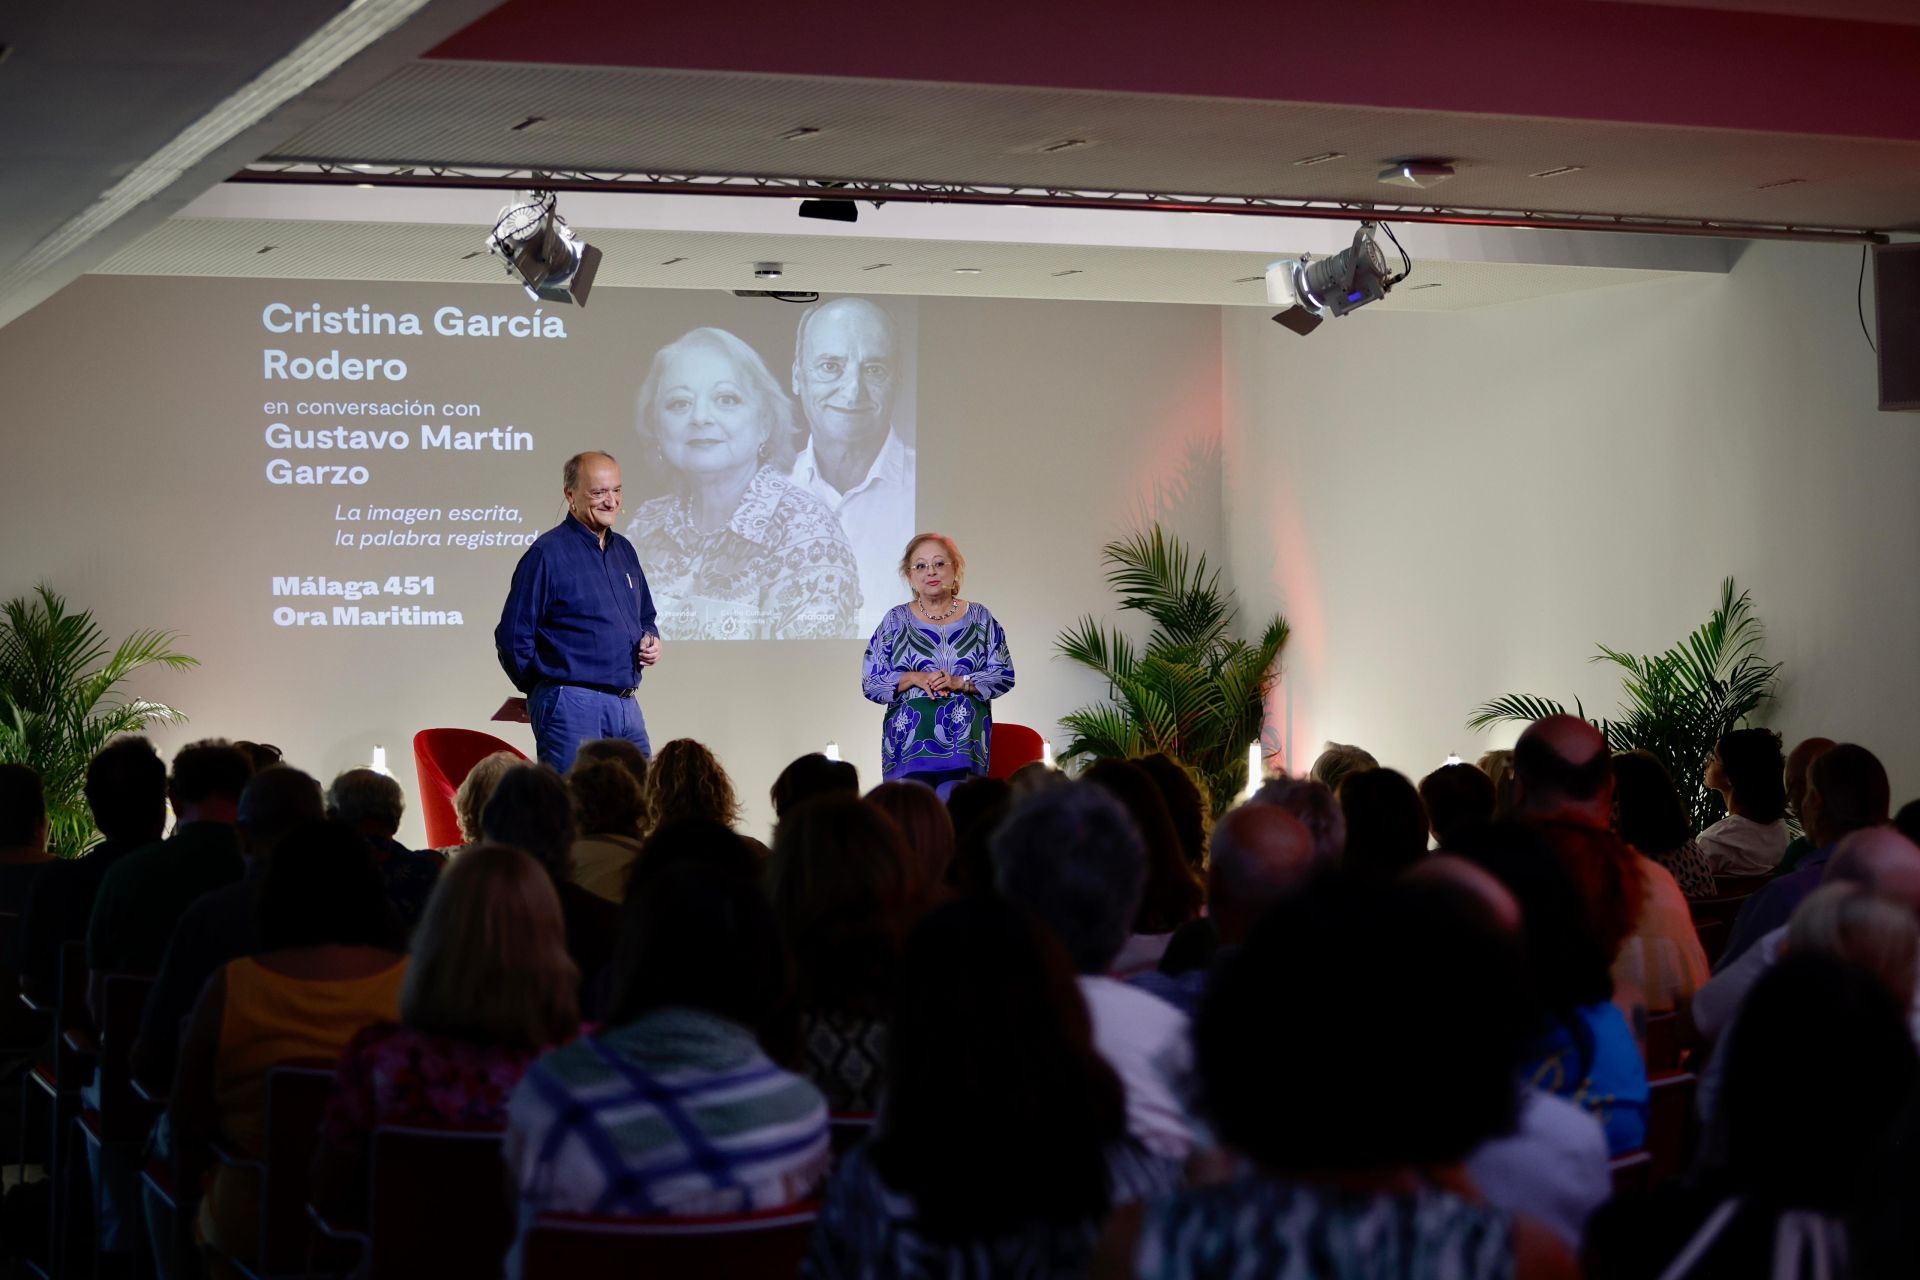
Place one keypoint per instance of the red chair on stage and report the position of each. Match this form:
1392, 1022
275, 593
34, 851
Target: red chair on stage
444, 757
1013, 745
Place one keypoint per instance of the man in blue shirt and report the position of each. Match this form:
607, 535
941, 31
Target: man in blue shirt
578, 625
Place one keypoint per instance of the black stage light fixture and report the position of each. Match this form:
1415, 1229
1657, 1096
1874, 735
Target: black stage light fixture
830, 210
542, 251
1334, 285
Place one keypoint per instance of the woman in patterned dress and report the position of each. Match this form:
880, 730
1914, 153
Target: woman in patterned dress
735, 551
936, 663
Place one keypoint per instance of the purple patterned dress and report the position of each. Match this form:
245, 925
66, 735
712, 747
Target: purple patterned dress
923, 734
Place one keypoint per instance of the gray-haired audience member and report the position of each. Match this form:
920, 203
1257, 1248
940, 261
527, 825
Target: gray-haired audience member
372, 804
1316, 808
1071, 855
220, 925
1332, 765
531, 811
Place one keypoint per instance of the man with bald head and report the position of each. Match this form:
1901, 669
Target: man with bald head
1258, 855
1563, 772
846, 376
1799, 761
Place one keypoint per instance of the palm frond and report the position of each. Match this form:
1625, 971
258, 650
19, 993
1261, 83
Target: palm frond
1514, 706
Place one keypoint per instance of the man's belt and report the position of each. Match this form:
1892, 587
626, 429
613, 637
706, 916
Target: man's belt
598, 688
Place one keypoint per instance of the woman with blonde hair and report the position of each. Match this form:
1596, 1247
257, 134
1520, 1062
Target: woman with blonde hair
491, 987
686, 780
471, 797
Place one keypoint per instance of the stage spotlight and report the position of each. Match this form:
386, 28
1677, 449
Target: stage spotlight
542, 251
830, 210
1333, 286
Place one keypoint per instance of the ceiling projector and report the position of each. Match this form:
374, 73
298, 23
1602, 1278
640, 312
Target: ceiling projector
1333, 286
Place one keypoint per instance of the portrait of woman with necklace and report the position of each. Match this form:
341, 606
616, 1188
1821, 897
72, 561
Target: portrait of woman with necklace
936, 663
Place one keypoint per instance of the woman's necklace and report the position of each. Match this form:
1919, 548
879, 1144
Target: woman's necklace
953, 607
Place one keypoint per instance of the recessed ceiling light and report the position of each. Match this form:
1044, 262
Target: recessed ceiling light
1070, 271
363, 186
1065, 144
1557, 171
670, 261
1431, 284
1251, 280
1784, 182
528, 123
966, 271
1322, 158
876, 266
265, 248
766, 271
1418, 174
800, 134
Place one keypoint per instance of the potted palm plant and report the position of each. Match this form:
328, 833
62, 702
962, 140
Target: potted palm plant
1679, 703
1194, 690
61, 700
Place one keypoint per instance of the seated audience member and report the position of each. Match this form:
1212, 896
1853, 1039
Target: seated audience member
1260, 855
917, 810
685, 780
676, 1107
1187, 804
1748, 771
1649, 815
1498, 766
1073, 857
262, 755
610, 813
1174, 893
1459, 801
489, 989
126, 788
470, 797
1818, 1068
372, 804
841, 892
624, 750
977, 806
1846, 791
1799, 761
223, 924
23, 838
1333, 765
1031, 777
1878, 860
1386, 824
529, 811
1582, 1048
1355, 1166
144, 894
1316, 809
1553, 1167
1002, 1142
809, 776
703, 842
328, 965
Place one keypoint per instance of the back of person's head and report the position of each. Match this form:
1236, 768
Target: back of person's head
490, 962
368, 801
470, 798
1907, 821
809, 776
1364, 971
1608, 874
977, 807
1498, 766
1031, 777
1567, 965
1174, 892
1755, 770
1073, 857
1647, 809
23, 807
1458, 799
607, 800
625, 751
1316, 808
1879, 860
1260, 855
208, 771
127, 790
1561, 761
1386, 824
1332, 766
1847, 789
998, 1109
686, 780
1871, 933
320, 887
263, 755
702, 842
698, 937
841, 891
530, 811
1187, 804
276, 800
917, 810
1819, 1063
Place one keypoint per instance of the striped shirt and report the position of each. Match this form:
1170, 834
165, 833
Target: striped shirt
678, 1112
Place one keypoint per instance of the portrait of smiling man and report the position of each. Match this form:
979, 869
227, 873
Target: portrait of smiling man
847, 376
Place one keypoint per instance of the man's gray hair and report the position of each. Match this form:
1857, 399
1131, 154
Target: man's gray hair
1337, 762
1072, 856
1314, 806
363, 796
570, 469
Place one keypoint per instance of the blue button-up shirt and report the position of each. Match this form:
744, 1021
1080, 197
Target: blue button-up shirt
575, 613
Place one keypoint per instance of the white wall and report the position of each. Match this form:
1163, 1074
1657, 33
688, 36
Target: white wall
1453, 506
